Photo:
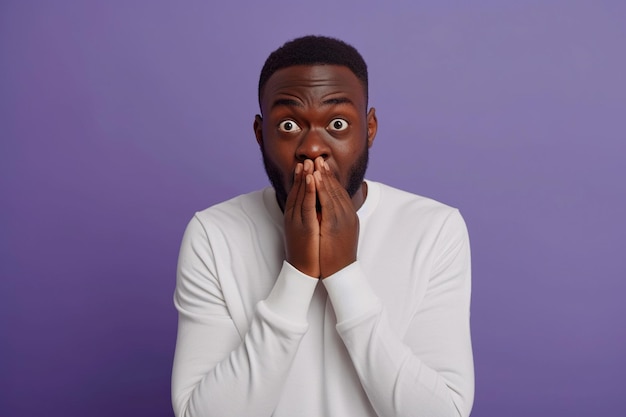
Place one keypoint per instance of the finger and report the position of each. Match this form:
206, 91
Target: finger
308, 190
319, 164
308, 204
321, 185
337, 191
326, 201
332, 195
295, 188
301, 193
308, 166
331, 181
309, 213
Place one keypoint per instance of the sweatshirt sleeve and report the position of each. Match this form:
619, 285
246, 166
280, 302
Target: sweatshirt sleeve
217, 371
430, 368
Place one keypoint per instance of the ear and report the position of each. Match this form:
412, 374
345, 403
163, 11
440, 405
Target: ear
372, 126
258, 129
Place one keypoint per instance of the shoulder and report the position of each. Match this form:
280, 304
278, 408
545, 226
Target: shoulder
402, 213
238, 213
241, 205
413, 218
402, 204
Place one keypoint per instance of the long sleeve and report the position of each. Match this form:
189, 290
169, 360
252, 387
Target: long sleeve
428, 371
217, 371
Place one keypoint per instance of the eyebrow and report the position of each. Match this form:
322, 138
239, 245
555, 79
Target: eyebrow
338, 100
288, 102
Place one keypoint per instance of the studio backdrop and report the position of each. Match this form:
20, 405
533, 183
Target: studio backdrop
120, 119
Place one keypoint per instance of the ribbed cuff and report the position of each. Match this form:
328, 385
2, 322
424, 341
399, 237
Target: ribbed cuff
292, 294
350, 293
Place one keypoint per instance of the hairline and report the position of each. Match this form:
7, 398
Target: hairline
364, 86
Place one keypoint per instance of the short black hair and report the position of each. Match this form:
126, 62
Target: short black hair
315, 50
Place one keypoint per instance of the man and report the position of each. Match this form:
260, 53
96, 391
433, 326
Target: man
327, 294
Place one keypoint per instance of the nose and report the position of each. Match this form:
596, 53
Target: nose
312, 144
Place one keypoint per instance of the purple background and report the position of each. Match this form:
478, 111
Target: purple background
120, 119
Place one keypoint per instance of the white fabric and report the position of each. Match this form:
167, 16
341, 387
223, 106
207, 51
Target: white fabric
386, 336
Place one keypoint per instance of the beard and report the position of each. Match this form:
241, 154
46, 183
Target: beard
356, 174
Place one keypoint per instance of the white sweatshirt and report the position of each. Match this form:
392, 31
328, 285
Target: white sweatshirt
386, 336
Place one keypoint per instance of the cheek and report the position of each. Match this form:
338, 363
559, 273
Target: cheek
281, 155
349, 151
347, 157
281, 161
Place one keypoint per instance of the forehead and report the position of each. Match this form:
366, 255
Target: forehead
313, 82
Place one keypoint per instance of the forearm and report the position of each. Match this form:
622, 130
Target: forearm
249, 381
216, 373
396, 381
429, 369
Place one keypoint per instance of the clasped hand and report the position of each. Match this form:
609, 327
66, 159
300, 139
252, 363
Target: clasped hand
320, 243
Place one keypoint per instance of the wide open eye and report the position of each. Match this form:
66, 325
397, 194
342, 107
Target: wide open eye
338, 125
288, 126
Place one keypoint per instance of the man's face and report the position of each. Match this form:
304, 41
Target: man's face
311, 111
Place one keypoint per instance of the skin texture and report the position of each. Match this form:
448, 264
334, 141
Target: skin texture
314, 135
